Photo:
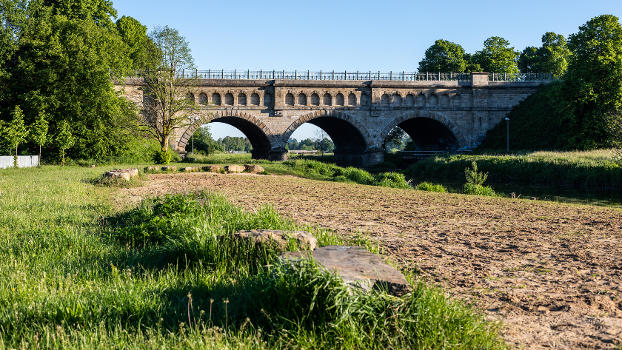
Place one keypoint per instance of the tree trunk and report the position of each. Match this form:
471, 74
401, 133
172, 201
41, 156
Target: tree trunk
15, 157
39, 155
164, 144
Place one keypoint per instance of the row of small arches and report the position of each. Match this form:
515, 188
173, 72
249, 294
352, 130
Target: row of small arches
314, 99
418, 100
228, 100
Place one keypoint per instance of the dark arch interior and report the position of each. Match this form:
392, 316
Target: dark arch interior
429, 135
256, 136
348, 141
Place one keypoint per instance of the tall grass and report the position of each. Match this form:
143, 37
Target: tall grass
76, 274
586, 171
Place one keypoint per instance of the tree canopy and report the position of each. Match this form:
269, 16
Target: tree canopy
552, 57
443, 56
497, 56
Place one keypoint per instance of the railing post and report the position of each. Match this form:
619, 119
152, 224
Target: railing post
320, 74
426, 75
209, 74
345, 75
295, 74
390, 75
248, 74
439, 76
332, 77
222, 74
357, 75
308, 74
273, 74
378, 75
260, 74
505, 76
283, 74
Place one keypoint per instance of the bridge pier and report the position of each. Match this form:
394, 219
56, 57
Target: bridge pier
277, 154
363, 160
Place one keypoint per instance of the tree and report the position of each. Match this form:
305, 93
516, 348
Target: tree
529, 60
168, 106
552, 57
497, 56
443, 56
64, 139
39, 131
594, 82
15, 132
141, 49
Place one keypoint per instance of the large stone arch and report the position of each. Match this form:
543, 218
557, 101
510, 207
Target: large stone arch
255, 130
436, 116
353, 143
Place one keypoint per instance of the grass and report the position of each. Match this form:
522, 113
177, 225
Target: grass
78, 273
590, 174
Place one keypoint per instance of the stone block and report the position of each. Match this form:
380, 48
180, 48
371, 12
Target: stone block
212, 168
235, 168
358, 268
253, 168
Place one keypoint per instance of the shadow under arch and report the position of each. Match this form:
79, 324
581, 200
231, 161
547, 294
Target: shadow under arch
255, 130
428, 130
350, 144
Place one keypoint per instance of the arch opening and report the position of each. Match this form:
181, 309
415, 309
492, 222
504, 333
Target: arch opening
427, 134
349, 143
232, 136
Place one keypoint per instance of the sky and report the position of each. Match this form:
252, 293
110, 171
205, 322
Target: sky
352, 35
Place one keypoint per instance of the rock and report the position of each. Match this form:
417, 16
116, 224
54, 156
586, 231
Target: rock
124, 174
169, 168
358, 268
254, 168
152, 168
92, 165
190, 169
280, 238
212, 168
235, 168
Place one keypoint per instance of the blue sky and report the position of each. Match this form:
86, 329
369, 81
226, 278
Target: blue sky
352, 35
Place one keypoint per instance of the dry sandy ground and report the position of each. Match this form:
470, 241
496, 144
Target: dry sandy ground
550, 272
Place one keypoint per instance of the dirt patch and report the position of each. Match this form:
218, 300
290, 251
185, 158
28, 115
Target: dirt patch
550, 272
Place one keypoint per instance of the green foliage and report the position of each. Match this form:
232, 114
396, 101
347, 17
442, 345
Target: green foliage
497, 56
204, 142
60, 59
64, 139
443, 56
323, 144
39, 131
594, 83
581, 171
430, 187
162, 157
141, 49
582, 112
473, 176
552, 57
480, 190
14, 132
392, 179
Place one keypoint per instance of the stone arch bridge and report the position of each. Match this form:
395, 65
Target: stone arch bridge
439, 111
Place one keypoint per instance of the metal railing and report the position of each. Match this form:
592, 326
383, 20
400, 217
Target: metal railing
519, 77
345, 75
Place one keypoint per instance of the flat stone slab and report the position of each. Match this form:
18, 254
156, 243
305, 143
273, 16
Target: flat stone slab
280, 238
254, 168
358, 267
235, 168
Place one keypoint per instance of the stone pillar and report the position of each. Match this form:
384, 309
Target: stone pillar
480, 78
278, 154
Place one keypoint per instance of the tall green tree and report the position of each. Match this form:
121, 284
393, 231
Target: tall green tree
166, 89
497, 56
594, 82
552, 57
443, 56
64, 139
39, 131
15, 132
142, 51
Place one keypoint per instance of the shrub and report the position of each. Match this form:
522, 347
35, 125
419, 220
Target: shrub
473, 176
359, 176
165, 157
480, 190
430, 187
392, 179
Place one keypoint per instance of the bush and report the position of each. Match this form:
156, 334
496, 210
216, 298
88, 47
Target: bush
392, 179
430, 187
359, 176
165, 157
480, 190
